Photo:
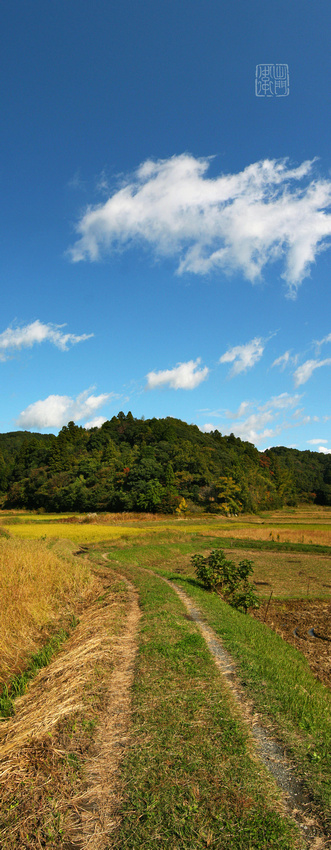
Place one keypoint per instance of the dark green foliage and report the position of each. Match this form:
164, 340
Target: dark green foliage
151, 465
218, 573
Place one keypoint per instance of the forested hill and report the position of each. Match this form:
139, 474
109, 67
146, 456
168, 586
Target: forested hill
154, 465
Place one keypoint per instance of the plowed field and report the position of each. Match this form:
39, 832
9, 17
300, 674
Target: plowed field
307, 625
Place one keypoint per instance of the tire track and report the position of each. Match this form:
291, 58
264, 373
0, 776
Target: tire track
270, 751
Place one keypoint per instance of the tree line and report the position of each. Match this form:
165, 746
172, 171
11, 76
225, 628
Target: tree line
154, 465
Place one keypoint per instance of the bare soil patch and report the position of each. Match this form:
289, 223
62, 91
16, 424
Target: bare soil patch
306, 624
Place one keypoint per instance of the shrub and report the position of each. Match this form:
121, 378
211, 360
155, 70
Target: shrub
217, 573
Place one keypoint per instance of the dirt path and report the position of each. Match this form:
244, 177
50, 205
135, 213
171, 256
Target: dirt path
268, 749
97, 808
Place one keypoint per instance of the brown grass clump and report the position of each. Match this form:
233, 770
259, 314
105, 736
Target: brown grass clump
38, 586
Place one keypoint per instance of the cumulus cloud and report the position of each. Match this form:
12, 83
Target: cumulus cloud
324, 451
185, 376
95, 423
243, 357
234, 222
305, 371
57, 410
13, 339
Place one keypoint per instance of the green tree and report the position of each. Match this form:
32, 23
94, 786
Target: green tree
219, 574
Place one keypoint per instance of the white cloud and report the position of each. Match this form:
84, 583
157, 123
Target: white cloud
57, 410
243, 356
242, 409
13, 339
324, 451
185, 376
95, 423
232, 222
284, 360
320, 342
253, 428
304, 372
265, 422
282, 401
316, 442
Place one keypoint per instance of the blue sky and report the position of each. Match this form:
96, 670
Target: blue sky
165, 226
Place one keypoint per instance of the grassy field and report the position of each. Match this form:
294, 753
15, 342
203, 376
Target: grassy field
188, 776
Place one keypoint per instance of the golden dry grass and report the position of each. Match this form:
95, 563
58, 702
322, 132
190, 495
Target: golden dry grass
58, 780
37, 587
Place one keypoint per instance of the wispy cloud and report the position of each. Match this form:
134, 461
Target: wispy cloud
234, 222
316, 442
263, 423
242, 410
320, 342
14, 339
243, 357
284, 401
305, 371
185, 376
286, 359
57, 410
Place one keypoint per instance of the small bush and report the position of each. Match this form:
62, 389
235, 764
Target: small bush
217, 573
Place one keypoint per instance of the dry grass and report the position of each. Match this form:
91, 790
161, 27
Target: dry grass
279, 533
38, 586
60, 753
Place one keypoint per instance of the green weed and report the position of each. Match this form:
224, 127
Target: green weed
17, 684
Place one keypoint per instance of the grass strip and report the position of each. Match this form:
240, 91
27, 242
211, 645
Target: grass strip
189, 779
17, 684
283, 687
